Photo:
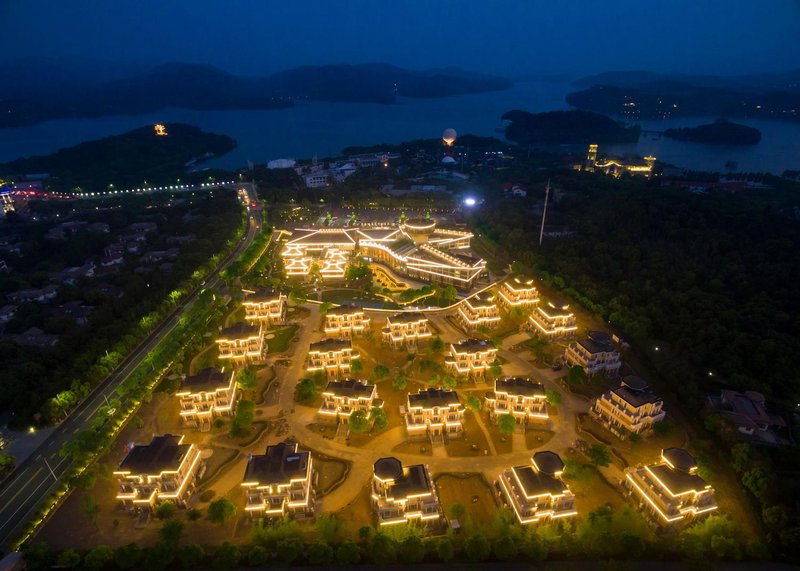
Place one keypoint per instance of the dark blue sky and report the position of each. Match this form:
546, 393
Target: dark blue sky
507, 37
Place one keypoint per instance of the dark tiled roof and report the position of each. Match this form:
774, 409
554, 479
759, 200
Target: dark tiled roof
345, 310
209, 379
279, 465
162, 454
413, 481
677, 481
407, 317
548, 462
473, 345
240, 330
388, 468
536, 483
593, 347
433, 397
679, 458
330, 344
351, 388
519, 386
262, 295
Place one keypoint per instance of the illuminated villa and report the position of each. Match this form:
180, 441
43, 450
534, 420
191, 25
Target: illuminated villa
165, 469
480, 310
630, 408
434, 413
346, 321
205, 396
523, 398
241, 343
334, 356
553, 319
471, 357
416, 248
670, 490
518, 291
405, 330
537, 492
340, 399
279, 483
265, 306
595, 354
403, 494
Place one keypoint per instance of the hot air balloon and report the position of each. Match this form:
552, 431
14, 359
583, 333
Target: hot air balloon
449, 137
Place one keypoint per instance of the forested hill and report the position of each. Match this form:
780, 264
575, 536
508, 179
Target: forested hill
125, 160
566, 127
720, 132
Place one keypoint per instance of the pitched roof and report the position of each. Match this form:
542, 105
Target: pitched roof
209, 379
280, 464
240, 330
350, 388
519, 386
433, 397
330, 344
164, 453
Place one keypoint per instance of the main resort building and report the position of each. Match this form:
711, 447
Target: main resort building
415, 248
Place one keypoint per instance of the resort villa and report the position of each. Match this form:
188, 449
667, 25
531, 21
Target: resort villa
404, 330
241, 343
205, 396
340, 399
595, 354
334, 356
265, 306
402, 494
631, 408
553, 319
470, 358
478, 311
435, 414
523, 398
518, 291
279, 482
537, 492
346, 321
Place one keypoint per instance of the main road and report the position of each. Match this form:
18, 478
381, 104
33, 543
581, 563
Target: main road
38, 476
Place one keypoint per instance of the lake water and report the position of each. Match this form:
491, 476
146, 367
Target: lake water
324, 129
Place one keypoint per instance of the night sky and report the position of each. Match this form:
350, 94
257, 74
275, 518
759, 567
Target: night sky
508, 37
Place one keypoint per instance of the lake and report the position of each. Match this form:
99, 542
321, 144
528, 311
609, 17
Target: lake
324, 129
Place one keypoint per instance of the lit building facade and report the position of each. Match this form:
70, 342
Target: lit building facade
340, 399
553, 319
616, 166
537, 492
595, 354
470, 358
279, 483
334, 356
435, 414
523, 398
670, 491
323, 251
480, 310
346, 321
405, 330
630, 408
404, 494
165, 469
205, 396
518, 291
242, 343
265, 306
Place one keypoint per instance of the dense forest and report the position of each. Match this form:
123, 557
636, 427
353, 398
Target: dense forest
567, 127
720, 132
712, 280
126, 160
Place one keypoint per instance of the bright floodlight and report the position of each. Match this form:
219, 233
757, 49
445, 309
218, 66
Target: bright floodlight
469, 201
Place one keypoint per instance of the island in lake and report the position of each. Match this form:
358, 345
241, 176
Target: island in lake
567, 127
720, 132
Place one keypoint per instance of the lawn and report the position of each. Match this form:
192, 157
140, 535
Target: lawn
471, 491
474, 442
502, 443
590, 488
332, 472
537, 437
279, 342
208, 357
357, 514
421, 448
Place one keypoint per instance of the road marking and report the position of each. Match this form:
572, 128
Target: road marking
36, 473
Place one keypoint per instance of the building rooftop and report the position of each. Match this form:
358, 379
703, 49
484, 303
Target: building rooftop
279, 465
535, 483
330, 344
483, 299
261, 295
389, 468
597, 342
635, 392
350, 388
433, 397
409, 481
407, 317
548, 463
519, 386
345, 310
240, 330
164, 453
472, 345
679, 458
209, 379
323, 237
749, 409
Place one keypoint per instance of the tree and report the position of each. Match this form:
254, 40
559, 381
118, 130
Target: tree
437, 345
243, 418
380, 371
90, 509
127, 556
412, 550
477, 547
378, 417
534, 548
496, 368
246, 379
400, 381
258, 556
474, 403
289, 549
504, 548
382, 550
449, 382
506, 423
165, 509
320, 553
306, 390
325, 307
98, 557
227, 556
160, 556
598, 455
759, 481
456, 511
172, 530
740, 454
68, 558
329, 528
348, 553
576, 376
7, 463
191, 556
358, 422
445, 550
553, 398
356, 366
220, 511
449, 294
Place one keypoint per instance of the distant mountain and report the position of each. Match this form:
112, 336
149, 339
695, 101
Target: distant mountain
51, 93
720, 132
566, 127
645, 95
